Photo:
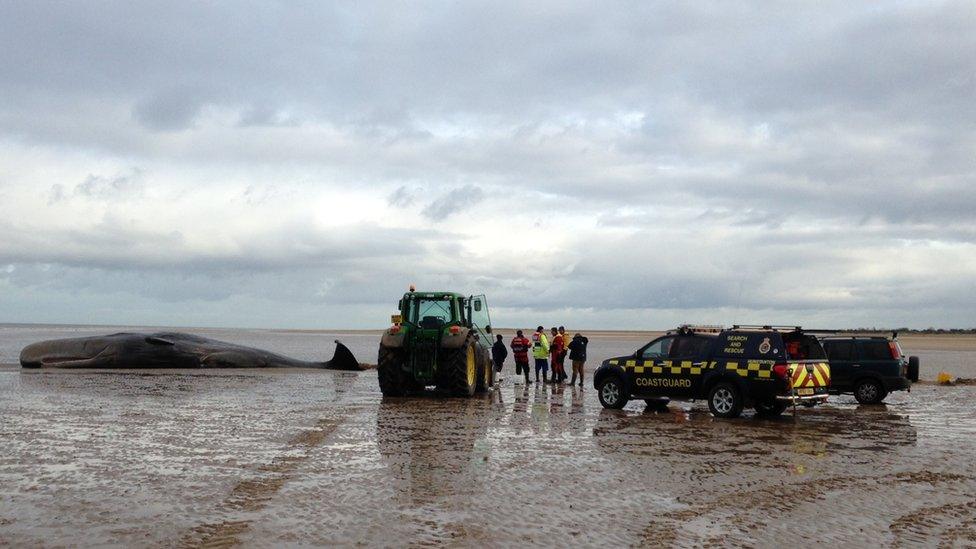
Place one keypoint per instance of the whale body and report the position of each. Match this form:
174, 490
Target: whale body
165, 350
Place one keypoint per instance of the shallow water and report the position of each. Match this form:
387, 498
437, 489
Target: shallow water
317, 457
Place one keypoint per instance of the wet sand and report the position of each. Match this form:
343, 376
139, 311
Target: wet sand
300, 457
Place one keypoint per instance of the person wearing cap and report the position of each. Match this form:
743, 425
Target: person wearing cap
520, 351
577, 353
498, 355
540, 351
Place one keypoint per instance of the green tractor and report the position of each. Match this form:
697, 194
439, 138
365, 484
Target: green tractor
439, 339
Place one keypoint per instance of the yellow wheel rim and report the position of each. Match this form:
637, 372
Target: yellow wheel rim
472, 367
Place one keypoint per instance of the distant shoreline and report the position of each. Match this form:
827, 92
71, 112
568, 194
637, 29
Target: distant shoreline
910, 340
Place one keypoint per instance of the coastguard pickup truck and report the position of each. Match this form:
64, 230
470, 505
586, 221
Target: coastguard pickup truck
766, 367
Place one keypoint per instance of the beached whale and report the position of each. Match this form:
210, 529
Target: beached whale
165, 350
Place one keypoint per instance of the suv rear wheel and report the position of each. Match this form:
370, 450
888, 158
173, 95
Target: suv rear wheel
725, 400
611, 392
869, 391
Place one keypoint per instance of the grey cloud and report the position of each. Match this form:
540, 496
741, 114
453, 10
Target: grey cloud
453, 202
401, 197
96, 186
117, 244
786, 130
171, 110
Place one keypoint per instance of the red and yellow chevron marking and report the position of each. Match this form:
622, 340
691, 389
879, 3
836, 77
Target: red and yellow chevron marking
821, 372
798, 373
820, 377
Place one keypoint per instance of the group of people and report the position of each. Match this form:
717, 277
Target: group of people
548, 354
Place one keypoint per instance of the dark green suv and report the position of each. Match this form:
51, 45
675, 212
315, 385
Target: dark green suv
870, 367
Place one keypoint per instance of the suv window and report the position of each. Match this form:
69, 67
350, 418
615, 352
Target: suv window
803, 347
839, 349
874, 349
687, 347
659, 349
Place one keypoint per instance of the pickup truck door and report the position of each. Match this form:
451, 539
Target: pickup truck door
667, 367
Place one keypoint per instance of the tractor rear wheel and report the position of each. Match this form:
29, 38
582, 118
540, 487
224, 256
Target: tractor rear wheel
486, 373
459, 375
389, 370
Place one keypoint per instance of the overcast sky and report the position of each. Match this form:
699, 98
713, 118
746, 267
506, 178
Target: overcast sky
623, 165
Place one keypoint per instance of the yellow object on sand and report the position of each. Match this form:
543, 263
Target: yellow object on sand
944, 378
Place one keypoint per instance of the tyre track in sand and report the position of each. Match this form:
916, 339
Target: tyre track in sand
733, 517
253, 494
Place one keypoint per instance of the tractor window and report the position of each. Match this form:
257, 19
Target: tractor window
429, 312
479, 316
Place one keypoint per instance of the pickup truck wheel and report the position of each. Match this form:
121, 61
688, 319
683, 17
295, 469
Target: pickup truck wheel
611, 392
725, 400
770, 408
869, 391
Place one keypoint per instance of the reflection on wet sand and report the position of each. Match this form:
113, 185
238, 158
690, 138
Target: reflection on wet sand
785, 479
433, 448
318, 458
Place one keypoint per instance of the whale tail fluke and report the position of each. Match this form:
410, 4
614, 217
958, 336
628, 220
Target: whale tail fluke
343, 359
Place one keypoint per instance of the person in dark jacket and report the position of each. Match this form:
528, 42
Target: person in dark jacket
577, 353
498, 355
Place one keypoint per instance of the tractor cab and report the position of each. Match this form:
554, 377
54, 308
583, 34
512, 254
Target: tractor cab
435, 311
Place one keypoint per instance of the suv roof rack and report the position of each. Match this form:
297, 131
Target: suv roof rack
698, 328
765, 327
851, 333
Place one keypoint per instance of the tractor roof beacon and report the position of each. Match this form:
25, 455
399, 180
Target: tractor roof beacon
768, 367
439, 340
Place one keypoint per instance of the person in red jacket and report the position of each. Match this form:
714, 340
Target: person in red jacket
520, 350
557, 349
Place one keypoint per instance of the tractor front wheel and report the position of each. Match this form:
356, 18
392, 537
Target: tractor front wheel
486, 374
389, 370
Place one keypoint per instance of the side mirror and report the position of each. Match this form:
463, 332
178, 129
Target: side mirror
477, 305
400, 305
488, 328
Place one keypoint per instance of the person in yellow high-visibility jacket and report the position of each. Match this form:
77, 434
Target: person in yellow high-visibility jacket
540, 351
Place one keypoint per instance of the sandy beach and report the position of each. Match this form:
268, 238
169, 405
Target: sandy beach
302, 457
